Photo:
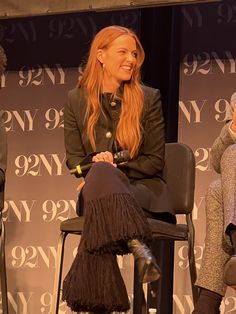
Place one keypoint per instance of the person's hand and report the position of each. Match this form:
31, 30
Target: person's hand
2, 176
81, 184
104, 156
233, 125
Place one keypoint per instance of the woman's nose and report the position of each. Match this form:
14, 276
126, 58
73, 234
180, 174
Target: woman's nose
130, 57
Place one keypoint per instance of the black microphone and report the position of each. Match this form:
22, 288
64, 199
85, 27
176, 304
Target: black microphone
118, 158
121, 157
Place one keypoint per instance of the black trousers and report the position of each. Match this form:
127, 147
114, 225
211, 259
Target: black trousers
112, 218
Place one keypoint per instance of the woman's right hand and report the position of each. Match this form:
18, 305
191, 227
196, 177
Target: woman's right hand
104, 156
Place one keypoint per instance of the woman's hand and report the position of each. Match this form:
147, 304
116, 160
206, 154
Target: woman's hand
104, 156
81, 184
233, 125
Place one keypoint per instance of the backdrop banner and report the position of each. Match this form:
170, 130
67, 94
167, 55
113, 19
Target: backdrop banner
40, 192
15, 8
207, 82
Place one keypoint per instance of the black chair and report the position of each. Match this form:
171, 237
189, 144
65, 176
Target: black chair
3, 276
179, 173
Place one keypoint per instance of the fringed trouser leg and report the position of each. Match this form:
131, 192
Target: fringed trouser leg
112, 217
220, 212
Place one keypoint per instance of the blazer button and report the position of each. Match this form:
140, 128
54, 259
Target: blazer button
113, 103
108, 135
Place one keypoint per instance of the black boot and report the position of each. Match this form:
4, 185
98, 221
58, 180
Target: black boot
230, 272
147, 267
230, 266
208, 302
232, 233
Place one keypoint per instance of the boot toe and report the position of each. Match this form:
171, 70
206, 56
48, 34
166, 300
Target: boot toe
230, 272
150, 272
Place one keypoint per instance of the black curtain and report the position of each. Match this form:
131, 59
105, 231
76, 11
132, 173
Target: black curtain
160, 36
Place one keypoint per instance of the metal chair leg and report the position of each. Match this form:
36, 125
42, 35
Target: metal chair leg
139, 302
3, 271
191, 258
58, 273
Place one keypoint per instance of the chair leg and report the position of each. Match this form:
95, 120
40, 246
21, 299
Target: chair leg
191, 258
3, 275
58, 273
160, 293
139, 302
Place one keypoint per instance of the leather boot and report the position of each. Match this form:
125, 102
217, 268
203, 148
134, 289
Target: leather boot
230, 272
147, 267
230, 266
208, 302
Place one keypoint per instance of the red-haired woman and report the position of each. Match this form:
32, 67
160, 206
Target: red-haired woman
108, 112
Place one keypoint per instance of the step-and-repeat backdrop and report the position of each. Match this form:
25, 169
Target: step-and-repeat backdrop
207, 82
39, 191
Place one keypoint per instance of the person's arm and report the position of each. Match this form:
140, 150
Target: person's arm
150, 160
72, 134
3, 150
226, 138
232, 127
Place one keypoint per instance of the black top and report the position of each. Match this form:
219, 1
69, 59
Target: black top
147, 167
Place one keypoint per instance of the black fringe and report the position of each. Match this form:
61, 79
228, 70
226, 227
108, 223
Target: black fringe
111, 221
94, 284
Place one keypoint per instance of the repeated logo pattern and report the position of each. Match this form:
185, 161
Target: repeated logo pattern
40, 193
207, 82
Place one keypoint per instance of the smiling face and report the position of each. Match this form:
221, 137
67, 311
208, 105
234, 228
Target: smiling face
118, 60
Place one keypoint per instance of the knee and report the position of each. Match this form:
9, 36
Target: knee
105, 174
99, 169
229, 156
98, 179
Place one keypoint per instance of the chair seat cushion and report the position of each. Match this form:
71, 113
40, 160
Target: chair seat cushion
165, 230
160, 229
73, 225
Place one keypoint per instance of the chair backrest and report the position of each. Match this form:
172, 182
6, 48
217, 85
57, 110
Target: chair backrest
3, 159
179, 173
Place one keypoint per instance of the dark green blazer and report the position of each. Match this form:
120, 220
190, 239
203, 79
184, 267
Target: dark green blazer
147, 167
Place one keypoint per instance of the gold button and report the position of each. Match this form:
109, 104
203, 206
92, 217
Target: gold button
113, 103
108, 135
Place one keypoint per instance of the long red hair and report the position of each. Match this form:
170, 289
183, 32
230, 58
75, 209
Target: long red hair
128, 133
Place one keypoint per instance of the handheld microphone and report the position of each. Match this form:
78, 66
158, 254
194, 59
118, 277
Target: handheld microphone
118, 158
121, 157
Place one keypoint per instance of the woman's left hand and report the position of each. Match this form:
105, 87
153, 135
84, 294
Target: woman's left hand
81, 184
233, 125
104, 156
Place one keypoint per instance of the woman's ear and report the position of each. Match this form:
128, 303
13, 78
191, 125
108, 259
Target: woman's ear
100, 56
